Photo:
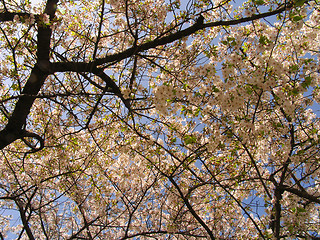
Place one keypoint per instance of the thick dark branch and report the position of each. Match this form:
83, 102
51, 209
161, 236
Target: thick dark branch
15, 127
34, 148
90, 67
184, 33
248, 19
99, 30
199, 25
190, 208
44, 67
275, 223
301, 193
24, 220
111, 86
44, 35
8, 16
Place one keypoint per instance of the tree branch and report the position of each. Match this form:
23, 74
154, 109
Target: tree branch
14, 128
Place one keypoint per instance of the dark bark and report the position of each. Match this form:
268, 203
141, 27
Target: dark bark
15, 128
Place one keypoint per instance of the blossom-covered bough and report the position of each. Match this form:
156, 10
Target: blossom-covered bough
159, 119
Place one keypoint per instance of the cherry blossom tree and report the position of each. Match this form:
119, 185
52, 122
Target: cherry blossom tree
159, 119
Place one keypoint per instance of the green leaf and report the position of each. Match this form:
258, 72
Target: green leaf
215, 89
290, 228
294, 92
293, 68
297, 18
245, 47
259, 2
189, 139
307, 82
299, 3
300, 210
15, 87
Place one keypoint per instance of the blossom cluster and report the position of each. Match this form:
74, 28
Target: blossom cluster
170, 132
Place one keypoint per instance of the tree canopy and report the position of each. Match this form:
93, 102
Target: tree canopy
159, 119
